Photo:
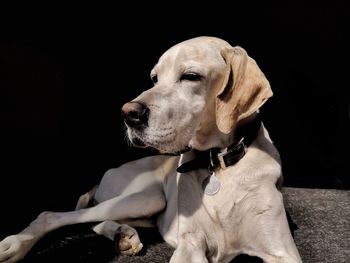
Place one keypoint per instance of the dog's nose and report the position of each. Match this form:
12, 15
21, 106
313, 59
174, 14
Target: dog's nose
135, 114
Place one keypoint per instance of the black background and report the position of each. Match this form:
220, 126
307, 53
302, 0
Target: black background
57, 139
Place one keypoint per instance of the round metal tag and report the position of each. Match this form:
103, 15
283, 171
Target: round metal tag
211, 184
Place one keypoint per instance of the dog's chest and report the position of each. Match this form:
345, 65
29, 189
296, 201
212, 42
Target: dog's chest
190, 209
216, 214
215, 194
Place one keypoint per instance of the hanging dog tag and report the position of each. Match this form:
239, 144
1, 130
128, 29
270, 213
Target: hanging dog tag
211, 184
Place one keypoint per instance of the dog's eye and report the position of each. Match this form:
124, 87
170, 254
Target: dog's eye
154, 79
191, 76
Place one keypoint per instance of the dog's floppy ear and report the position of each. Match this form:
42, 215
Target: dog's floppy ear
244, 90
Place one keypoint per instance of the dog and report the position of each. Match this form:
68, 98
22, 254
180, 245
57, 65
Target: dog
214, 189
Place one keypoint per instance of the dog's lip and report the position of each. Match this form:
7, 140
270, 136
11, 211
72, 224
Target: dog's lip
141, 144
138, 142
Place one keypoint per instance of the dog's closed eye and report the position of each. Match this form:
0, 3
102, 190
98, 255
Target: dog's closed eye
191, 76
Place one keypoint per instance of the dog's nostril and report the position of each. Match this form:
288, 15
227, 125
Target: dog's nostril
135, 113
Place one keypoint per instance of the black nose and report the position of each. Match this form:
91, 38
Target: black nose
135, 114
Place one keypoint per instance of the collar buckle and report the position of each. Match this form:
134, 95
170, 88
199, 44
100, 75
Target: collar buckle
238, 147
221, 159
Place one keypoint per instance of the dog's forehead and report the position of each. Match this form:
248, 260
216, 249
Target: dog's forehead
202, 49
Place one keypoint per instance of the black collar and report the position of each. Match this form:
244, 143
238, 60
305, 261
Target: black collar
216, 157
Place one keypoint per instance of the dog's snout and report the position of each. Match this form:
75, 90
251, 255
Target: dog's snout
135, 114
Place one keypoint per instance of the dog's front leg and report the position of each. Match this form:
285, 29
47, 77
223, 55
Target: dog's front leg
191, 248
267, 226
141, 204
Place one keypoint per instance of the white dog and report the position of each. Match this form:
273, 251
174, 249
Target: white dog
214, 201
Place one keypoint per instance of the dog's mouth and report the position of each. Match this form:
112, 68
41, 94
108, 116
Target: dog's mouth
140, 143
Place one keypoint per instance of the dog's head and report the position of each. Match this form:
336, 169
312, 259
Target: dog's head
203, 88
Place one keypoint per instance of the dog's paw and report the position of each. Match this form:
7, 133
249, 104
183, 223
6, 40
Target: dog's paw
127, 241
14, 248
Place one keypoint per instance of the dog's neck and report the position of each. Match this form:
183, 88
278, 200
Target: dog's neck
215, 157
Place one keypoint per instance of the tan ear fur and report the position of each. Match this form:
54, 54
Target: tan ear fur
245, 89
